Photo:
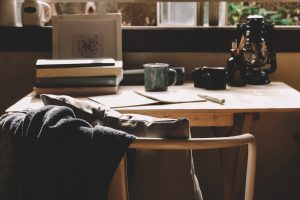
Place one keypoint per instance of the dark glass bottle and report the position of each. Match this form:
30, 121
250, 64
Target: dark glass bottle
236, 69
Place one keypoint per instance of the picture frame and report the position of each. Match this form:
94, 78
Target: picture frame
87, 36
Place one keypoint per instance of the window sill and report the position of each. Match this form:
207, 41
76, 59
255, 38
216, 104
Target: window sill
150, 39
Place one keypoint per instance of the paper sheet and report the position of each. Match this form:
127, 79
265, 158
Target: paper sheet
139, 98
123, 99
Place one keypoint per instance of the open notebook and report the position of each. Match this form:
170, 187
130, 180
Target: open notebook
139, 98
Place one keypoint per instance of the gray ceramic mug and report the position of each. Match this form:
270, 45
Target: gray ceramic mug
156, 76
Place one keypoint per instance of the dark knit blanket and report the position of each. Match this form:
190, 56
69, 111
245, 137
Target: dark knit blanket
59, 157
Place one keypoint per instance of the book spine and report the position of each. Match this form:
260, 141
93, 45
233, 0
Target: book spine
76, 91
78, 81
79, 72
73, 65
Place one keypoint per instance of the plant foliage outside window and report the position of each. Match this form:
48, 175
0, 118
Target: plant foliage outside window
144, 13
133, 14
277, 13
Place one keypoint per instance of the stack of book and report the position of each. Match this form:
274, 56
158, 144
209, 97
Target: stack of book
78, 77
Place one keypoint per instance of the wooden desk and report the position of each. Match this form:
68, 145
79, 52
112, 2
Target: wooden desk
274, 97
241, 106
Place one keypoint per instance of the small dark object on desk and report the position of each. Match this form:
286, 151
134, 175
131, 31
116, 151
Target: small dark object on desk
136, 76
211, 78
180, 75
236, 69
133, 77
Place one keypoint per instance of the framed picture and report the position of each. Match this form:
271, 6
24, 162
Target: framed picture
87, 36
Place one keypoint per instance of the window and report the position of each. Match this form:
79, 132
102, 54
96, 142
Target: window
136, 14
147, 13
151, 13
177, 14
133, 14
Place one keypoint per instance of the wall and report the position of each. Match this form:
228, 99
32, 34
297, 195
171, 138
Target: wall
16, 75
278, 167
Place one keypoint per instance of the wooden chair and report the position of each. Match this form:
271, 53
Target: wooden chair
118, 188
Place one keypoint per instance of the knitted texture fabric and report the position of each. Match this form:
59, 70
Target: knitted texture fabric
56, 156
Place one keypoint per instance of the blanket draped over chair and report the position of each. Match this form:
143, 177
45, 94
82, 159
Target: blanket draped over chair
50, 154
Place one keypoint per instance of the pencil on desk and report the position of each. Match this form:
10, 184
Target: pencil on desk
212, 99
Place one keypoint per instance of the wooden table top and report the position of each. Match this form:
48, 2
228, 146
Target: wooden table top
274, 97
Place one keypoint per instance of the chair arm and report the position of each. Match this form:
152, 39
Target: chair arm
208, 143
192, 143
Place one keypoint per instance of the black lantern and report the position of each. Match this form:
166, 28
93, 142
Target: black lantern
258, 52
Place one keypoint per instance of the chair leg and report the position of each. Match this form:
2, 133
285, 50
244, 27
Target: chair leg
251, 168
241, 160
118, 187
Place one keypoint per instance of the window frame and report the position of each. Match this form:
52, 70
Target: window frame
159, 39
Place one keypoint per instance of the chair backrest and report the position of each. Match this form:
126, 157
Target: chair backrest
118, 189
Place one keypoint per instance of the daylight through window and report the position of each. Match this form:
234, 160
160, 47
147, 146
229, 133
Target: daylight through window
151, 13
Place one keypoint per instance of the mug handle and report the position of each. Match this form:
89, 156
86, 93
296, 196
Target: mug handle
175, 76
47, 12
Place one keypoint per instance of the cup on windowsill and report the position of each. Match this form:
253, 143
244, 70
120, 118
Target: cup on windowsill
35, 13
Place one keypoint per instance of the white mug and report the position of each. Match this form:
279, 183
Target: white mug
8, 13
35, 13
